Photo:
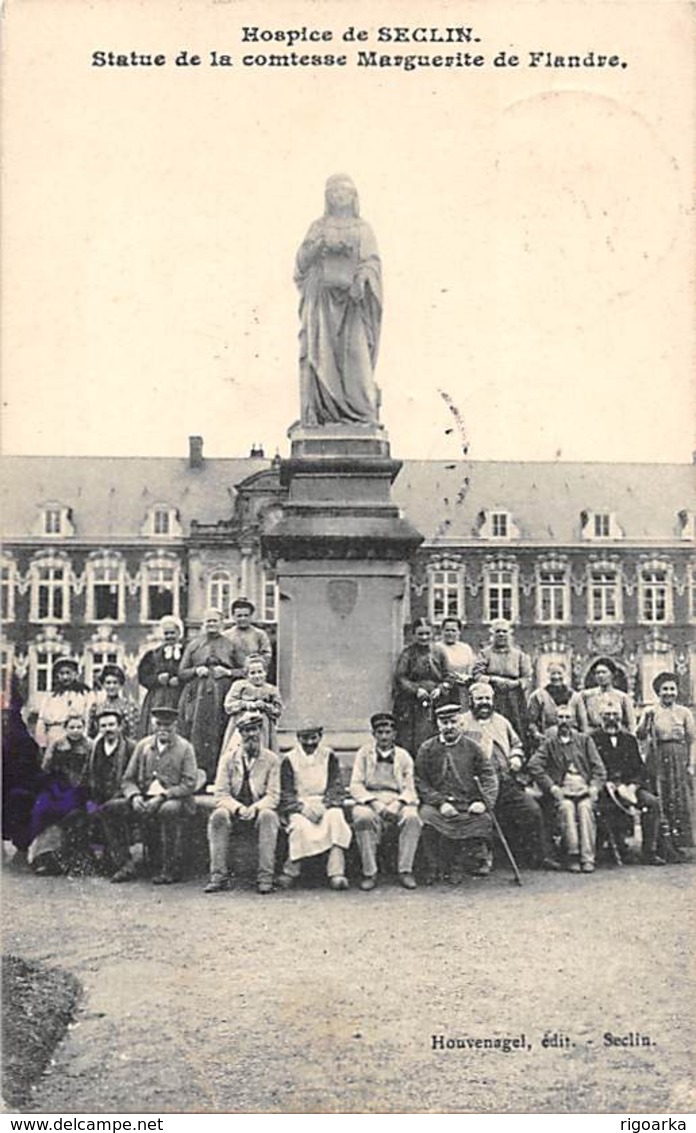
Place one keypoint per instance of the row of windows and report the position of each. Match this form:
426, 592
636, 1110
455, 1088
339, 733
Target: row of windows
55, 520
50, 592
446, 594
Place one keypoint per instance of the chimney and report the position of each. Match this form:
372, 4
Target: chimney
256, 452
195, 452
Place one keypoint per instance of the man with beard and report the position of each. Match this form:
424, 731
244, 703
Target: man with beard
569, 771
516, 809
452, 811
626, 786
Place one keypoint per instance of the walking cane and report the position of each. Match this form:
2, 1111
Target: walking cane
499, 832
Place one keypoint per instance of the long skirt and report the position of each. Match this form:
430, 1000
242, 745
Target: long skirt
307, 839
668, 764
510, 703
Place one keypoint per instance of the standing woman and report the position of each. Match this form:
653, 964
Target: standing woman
158, 672
509, 670
206, 672
422, 680
669, 730
110, 694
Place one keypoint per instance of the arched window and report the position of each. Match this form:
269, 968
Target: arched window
220, 591
105, 588
50, 589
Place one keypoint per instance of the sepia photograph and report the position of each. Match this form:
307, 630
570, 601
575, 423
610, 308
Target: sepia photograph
348, 583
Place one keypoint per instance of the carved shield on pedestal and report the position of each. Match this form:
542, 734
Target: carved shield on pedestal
342, 594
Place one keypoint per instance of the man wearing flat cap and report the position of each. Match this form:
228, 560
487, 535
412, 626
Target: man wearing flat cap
385, 796
453, 810
159, 783
247, 640
246, 794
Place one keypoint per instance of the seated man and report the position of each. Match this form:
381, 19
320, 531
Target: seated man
246, 794
384, 792
516, 808
158, 785
312, 795
569, 770
626, 786
107, 809
452, 810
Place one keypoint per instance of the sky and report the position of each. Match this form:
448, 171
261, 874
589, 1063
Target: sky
536, 228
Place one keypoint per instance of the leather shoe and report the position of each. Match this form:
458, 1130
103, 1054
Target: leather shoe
587, 867
264, 887
367, 884
125, 873
339, 882
573, 866
407, 881
653, 859
551, 864
285, 881
217, 885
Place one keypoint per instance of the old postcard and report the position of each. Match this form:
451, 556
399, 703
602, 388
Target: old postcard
328, 326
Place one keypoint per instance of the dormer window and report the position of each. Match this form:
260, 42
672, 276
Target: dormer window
53, 520
499, 524
162, 521
601, 522
599, 525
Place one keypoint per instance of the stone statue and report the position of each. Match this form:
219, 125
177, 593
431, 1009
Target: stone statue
338, 273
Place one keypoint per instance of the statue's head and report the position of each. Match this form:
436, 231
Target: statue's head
340, 196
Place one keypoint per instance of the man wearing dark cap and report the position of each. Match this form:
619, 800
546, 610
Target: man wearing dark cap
248, 640
453, 811
247, 793
159, 784
385, 796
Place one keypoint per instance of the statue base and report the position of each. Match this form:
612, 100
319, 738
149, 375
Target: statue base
342, 551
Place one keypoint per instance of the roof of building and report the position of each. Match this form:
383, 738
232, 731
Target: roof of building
545, 499
110, 497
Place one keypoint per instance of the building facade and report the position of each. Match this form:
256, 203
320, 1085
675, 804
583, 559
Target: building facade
585, 560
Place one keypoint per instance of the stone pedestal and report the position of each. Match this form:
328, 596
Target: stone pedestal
341, 550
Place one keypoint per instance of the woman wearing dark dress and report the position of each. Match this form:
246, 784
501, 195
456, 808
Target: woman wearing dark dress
158, 672
422, 680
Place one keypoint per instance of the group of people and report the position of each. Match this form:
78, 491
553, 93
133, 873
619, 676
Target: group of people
564, 758
467, 755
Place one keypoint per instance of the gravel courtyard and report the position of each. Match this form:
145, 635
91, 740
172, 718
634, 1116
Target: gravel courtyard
312, 1001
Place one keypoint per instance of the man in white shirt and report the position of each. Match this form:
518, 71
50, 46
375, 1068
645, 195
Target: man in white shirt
385, 796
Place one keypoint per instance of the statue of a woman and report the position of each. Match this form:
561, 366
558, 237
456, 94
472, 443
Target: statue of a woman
338, 273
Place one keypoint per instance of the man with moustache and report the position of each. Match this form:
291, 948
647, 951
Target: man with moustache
453, 814
159, 783
107, 808
385, 796
516, 808
246, 794
569, 771
626, 785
